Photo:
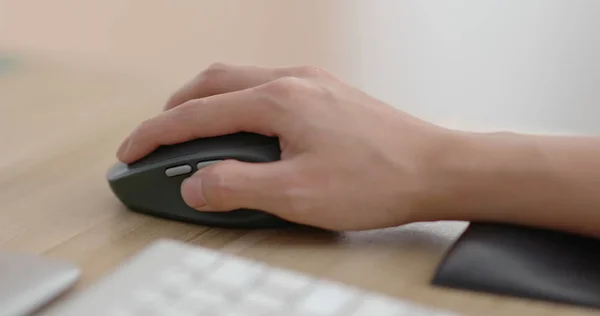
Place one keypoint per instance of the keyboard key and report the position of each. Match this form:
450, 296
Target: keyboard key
147, 300
153, 308
421, 311
251, 310
236, 274
381, 306
146, 296
191, 281
205, 296
176, 281
177, 312
233, 313
200, 260
326, 299
262, 301
180, 310
285, 284
190, 309
121, 312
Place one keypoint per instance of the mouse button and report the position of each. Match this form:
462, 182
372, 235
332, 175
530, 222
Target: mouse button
178, 170
203, 164
169, 152
164, 153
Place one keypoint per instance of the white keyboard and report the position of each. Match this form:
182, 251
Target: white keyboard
176, 279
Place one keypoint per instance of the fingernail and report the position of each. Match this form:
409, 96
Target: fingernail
192, 193
124, 148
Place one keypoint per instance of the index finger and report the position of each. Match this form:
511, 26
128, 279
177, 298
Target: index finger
240, 111
222, 78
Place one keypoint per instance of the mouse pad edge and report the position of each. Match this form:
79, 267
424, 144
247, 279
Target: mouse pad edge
481, 260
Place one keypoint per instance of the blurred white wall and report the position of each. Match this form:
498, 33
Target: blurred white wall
172, 38
527, 65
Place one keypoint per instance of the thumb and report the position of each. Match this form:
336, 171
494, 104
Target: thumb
231, 184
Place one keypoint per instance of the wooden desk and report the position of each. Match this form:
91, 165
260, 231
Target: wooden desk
64, 108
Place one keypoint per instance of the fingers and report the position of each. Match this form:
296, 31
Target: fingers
231, 185
213, 116
249, 109
220, 78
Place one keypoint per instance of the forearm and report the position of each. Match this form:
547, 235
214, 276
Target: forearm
545, 181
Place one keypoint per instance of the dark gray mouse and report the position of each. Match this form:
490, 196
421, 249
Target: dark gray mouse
152, 185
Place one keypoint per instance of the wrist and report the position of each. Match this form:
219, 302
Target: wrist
477, 177
544, 181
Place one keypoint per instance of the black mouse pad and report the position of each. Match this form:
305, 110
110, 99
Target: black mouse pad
524, 262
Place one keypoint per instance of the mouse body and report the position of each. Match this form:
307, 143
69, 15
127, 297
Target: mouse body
152, 185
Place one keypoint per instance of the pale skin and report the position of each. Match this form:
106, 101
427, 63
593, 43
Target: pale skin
352, 162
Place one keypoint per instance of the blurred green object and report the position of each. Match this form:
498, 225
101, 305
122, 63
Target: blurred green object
7, 64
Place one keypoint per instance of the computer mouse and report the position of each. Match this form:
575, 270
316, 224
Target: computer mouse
152, 185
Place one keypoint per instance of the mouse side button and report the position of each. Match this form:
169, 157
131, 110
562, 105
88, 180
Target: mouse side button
178, 170
203, 164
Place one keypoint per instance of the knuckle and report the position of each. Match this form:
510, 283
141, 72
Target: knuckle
287, 87
312, 72
207, 78
297, 199
144, 127
172, 101
287, 84
217, 67
145, 132
188, 107
299, 207
181, 116
213, 72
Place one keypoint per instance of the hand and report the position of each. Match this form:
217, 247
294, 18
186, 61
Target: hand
349, 161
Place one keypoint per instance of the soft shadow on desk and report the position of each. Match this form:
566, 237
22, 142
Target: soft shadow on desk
431, 237
435, 236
